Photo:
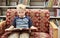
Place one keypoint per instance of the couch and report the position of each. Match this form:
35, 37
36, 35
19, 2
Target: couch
40, 19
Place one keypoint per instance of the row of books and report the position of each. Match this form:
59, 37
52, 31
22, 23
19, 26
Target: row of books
47, 3
30, 2
55, 12
3, 12
13, 2
56, 22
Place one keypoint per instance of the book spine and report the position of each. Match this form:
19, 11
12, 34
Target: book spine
58, 12
55, 12
50, 3
55, 3
20, 1
28, 2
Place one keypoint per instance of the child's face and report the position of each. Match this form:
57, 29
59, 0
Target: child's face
21, 12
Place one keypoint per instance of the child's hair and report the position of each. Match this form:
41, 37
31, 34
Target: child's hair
21, 6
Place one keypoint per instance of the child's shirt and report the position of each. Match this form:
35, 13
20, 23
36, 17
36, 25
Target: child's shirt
22, 22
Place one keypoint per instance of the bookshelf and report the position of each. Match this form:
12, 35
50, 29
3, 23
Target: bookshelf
30, 4
55, 17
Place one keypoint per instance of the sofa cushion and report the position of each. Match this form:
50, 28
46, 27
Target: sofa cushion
39, 35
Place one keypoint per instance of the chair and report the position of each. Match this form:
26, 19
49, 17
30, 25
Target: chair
40, 19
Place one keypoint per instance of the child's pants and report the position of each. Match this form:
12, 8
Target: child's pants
17, 35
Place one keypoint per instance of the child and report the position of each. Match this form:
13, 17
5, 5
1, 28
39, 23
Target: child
21, 21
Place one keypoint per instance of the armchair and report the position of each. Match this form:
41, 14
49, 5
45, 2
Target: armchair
40, 19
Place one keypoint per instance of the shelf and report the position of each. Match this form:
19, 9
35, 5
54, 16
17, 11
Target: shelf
7, 6
35, 7
54, 17
42, 7
2, 16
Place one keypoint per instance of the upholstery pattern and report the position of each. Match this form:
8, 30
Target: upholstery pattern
39, 35
39, 17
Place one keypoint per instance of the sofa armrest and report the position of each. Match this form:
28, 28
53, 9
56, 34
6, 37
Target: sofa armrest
2, 26
53, 30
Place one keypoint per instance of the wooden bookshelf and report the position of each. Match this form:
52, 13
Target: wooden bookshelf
16, 2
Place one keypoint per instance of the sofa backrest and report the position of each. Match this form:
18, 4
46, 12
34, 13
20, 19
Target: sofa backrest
39, 17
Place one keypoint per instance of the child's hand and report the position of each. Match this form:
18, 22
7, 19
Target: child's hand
10, 28
20, 28
33, 27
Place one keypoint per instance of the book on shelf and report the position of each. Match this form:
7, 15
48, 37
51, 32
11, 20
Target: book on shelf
7, 2
13, 2
58, 12
53, 12
37, 3
57, 22
0, 12
55, 3
59, 3
3, 4
25, 2
53, 20
50, 3
4, 12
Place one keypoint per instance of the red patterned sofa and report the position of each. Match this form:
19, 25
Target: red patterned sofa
39, 17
